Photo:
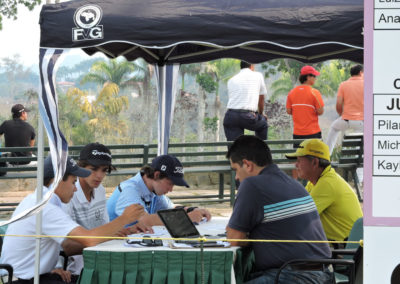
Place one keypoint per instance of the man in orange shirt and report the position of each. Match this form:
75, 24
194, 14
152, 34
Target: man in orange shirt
305, 104
349, 105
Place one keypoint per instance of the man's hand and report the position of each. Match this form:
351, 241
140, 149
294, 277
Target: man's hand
123, 232
64, 274
140, 227
198, 214
133, 212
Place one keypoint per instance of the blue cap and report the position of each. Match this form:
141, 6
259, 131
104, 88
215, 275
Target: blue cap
71, 169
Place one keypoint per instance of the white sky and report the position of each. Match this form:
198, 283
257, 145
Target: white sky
21, 36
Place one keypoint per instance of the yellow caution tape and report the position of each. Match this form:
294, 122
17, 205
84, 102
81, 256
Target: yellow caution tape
201, 239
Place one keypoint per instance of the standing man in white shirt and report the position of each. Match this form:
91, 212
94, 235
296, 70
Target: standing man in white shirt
246, 91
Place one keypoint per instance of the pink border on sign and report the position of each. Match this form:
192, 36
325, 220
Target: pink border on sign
369, 219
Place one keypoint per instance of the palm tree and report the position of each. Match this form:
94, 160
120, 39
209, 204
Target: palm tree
102, 111
222, 70
332, 74
116, 71
188, 69
281, 87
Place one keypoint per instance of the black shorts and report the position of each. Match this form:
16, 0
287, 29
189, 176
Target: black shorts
304, 137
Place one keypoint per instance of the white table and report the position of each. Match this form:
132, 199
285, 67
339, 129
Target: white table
103, 263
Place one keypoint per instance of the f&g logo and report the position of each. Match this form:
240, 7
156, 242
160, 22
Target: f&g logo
86, 19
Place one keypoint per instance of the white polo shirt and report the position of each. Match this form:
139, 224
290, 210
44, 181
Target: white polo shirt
88, 214
244, 90
20, 251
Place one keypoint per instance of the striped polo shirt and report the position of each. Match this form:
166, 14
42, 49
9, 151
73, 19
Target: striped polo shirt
273, 206
244, 90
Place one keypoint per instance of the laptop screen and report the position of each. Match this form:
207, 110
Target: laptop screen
178, 223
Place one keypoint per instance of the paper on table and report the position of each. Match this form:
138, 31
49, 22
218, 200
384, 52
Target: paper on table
158, 231
183, 245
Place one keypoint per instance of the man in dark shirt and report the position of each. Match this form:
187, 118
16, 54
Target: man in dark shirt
270, 205
17, 132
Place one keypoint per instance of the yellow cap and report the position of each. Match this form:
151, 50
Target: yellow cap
311, 147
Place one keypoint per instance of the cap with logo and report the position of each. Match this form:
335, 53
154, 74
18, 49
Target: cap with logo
309, 70
171, 167
311, 147
18, 108
96, 154
72, 168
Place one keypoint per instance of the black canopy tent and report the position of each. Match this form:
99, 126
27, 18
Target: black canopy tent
187, 31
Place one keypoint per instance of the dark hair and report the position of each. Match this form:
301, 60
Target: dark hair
303, 78
17, 115
84, 163
47, 181
356, 69
250, 148
244, 64
322, 163
148, 171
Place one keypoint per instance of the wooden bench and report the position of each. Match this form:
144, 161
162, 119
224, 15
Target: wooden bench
207, 157
351, 157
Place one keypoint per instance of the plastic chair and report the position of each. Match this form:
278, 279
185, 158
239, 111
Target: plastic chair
351, 251
5, 266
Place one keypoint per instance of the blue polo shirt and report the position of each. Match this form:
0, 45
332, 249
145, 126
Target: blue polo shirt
135, 191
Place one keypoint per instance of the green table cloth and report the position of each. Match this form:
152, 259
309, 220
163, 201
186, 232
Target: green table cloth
158, 266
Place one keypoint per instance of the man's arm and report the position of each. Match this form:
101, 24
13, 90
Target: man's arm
196, 216
235, 234
320, 110
261, 103
32, 143
130, 214
72, 247
339, 105
289, 111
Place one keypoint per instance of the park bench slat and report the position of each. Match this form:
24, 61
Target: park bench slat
205, 157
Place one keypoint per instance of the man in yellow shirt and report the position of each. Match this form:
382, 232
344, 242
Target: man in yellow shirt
337, 204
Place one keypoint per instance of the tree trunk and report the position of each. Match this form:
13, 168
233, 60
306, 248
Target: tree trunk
201, 114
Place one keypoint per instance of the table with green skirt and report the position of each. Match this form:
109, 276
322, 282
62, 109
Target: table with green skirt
115, 263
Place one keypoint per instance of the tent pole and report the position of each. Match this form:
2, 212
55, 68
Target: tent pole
39, 196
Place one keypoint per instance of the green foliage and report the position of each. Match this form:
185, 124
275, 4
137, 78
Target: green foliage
102, 111
206, 82
281, 87
224, 69
335, 156
211, 124
9, 8
332, 74
73, 122
188, 69
116, 71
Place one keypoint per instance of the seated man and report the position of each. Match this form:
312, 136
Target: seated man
20, 251
88, 205
272, 205
337, 204
148, 188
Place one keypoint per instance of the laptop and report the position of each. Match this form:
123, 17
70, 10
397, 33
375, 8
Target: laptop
179, 225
